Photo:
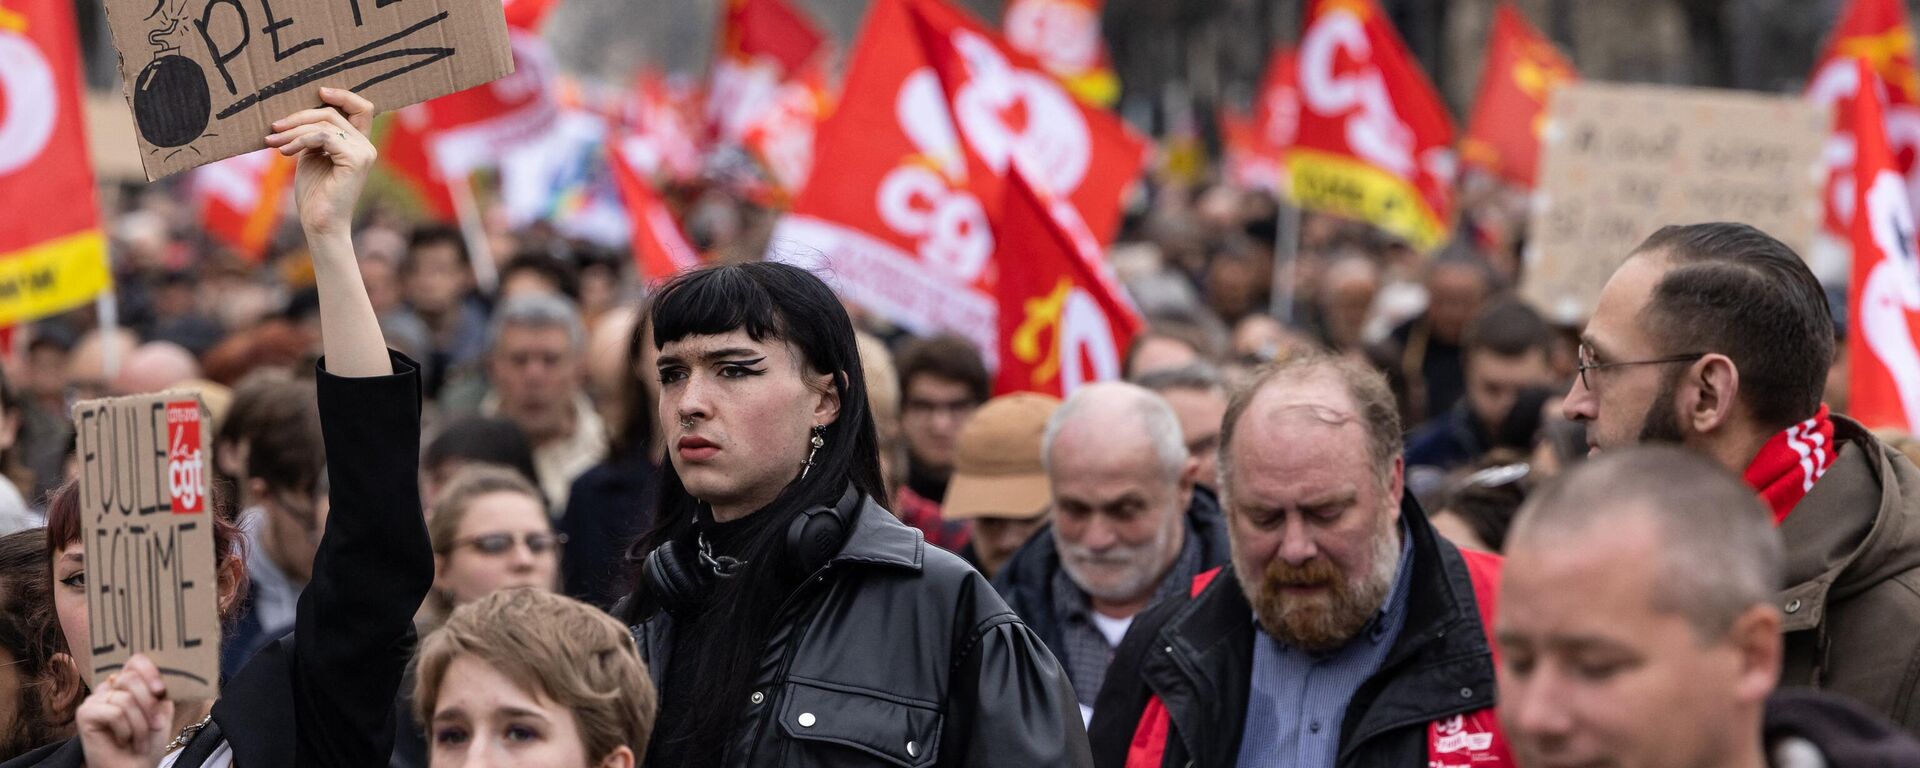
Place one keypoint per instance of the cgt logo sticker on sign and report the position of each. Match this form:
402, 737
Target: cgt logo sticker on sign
186, 475
206, 77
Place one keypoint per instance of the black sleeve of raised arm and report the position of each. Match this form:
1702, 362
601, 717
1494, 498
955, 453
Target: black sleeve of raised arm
354, 630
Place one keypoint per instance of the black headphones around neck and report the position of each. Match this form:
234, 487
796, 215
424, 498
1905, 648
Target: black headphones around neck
678, 580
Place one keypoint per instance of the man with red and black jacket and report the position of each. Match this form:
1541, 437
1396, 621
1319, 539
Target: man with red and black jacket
1345, 632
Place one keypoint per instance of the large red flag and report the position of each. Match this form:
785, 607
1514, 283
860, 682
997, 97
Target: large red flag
1884, 294
52, 255
763, 44
1522, 68
1875, 32
902, 222
241, 199
660, 250
1375, 142
1062, 323
1064, 36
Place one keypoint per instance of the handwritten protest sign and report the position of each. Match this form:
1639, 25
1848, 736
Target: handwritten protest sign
148, 528
205, 78
1620, 161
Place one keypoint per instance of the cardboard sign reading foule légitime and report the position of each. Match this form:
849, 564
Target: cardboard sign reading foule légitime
147, 525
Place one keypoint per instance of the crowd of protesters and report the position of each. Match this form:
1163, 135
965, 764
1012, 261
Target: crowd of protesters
570, 520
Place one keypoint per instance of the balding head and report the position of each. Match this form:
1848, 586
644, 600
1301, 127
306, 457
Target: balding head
154, 366
96, 359
1316, 391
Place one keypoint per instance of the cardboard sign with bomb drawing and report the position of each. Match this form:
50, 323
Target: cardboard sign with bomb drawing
147, 525
206, 78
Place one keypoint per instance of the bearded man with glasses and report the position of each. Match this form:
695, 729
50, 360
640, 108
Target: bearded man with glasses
1717, 338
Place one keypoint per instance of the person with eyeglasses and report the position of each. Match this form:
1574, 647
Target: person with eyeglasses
1716, 337
490, 532
942, 381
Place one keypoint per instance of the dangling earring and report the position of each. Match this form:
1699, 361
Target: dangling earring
819, 441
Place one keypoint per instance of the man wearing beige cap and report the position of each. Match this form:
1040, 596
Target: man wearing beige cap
999, 481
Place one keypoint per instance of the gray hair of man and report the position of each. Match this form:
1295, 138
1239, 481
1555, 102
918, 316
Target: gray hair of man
1376, 410
1100, 400
1198, 377
540, 310
1719, 553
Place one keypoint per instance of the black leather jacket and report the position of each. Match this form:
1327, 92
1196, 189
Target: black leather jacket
897, 654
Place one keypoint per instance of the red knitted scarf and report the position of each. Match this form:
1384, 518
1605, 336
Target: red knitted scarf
1789, 464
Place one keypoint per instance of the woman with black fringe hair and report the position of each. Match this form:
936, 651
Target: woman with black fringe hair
788, 618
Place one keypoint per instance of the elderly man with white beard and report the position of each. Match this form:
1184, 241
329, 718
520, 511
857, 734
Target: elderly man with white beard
1130, 527
1345, 632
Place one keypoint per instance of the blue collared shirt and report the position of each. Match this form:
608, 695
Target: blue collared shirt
1298, 699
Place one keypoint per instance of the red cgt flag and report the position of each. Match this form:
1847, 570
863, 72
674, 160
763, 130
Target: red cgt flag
933, 113
660, 251
52, 255
1374, 142
1062, 323
1064, 36
1008, 108
1877, 33
1522, 68
1884, 293
241, 199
